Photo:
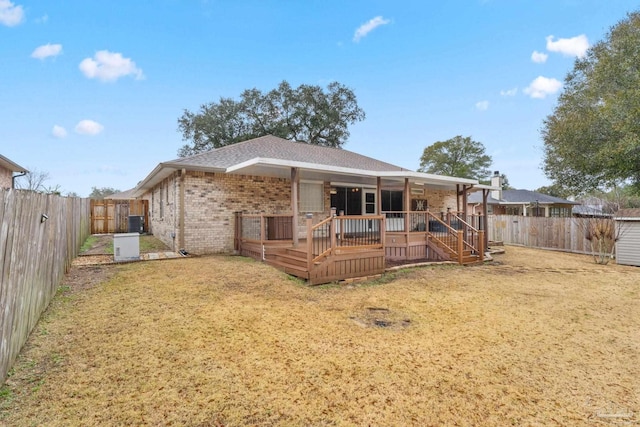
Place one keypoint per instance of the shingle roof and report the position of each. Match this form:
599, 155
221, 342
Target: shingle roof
272, 147
628, 213
520, 196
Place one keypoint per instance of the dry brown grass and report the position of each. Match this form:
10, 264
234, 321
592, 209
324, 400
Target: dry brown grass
537, 338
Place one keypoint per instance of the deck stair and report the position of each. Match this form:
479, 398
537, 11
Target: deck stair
468, 256
290, 260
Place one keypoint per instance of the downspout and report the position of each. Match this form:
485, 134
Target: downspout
13, 179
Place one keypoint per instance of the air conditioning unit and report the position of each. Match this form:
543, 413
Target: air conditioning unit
136, 224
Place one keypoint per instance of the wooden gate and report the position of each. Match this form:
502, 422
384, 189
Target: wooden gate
112, 216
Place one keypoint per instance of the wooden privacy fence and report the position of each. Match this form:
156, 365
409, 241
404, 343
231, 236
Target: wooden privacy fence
40, 235
112, 216
566, 234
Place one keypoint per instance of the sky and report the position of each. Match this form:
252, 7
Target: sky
91, 91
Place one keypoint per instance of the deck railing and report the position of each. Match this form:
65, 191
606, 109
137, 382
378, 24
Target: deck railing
265, 227
351, 232
473, 237
449, 230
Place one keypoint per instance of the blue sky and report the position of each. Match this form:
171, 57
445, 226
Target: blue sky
90, 91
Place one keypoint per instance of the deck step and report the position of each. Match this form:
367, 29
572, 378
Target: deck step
294, 270
290, 259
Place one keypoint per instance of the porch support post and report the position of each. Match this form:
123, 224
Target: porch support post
407, 207
183, 174
457, 197
379, 195
295, 179
485, 218
465, 209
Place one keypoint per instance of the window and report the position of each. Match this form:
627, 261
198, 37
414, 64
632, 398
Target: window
559, 212
161, 203
311, 197
391, 201
347, 200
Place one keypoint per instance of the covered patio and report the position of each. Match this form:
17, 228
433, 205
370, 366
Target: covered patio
373, 218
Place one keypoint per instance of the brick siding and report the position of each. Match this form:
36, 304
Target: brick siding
212, 199
5, 178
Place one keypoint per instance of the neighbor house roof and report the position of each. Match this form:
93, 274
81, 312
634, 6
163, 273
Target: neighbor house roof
122, 195
632, 214
8, 164
273, 156
520, 197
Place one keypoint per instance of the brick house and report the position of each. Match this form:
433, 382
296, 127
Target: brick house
193, 200
7, 169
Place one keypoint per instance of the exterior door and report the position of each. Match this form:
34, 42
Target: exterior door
369, 207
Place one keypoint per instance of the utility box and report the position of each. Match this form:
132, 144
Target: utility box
126, 247
136, 224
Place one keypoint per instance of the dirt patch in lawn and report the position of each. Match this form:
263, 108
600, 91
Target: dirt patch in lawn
534, 338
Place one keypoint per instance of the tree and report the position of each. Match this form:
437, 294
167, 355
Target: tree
101, 193
33, 180
555, 191
458, 156
592, 139
306, 114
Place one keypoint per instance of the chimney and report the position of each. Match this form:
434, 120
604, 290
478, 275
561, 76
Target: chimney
496, 181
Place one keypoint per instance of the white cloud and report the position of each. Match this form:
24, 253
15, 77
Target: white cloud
10, 14
575, 46
369, 26
88, 127
540, 87
109, 66
46, 50
509, 92
58, 132
482, 105
539, 57
42, 20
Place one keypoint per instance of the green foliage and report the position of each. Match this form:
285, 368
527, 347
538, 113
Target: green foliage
307, 114
555, 191
592, 139
458, 156
101, 193
91, 240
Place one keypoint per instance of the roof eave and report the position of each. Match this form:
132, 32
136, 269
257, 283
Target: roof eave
12, 166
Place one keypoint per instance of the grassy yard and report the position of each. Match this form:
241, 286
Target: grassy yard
535, 338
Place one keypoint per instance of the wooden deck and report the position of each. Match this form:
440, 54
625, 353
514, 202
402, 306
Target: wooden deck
347, 247
344, 263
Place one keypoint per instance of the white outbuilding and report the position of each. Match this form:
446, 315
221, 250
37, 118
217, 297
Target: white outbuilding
628, 232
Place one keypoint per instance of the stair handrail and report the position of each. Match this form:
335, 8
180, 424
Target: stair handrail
451, 231
472, 229
328, 250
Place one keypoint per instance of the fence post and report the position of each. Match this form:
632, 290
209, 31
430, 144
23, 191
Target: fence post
460, 246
